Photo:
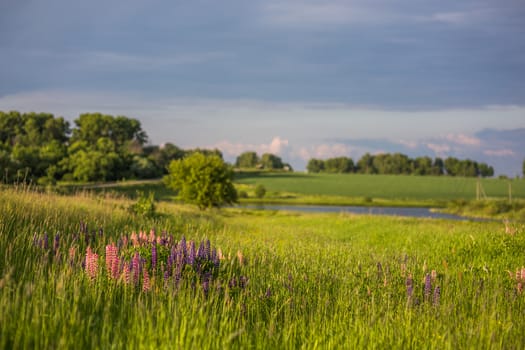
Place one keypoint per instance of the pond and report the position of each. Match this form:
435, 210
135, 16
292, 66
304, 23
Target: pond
416, 212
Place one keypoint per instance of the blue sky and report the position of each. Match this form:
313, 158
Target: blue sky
298, 78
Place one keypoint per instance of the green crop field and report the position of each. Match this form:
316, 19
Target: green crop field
384, 186
74, 275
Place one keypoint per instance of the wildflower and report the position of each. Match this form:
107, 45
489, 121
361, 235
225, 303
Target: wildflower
154, 255
191, 255
268, 293
111, 257
91, 263
127, 273
410, 286
135, 267
433, 275
240, 257
134, 239
152, 237
145, 281
71, 256
437, 295
428, 286
56, 242
206, 286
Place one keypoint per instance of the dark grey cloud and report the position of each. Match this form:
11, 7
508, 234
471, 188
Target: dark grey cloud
398, 54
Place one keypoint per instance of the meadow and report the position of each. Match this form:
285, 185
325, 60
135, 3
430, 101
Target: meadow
82, 271
390, 187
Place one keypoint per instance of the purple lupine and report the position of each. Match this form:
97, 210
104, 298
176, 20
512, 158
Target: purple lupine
56, 244
207, 249
437, 294
200, 251
428, 286
206, 286
135, 263
410, 286
268, 293
45, 242
183, 246
191, 255
154, 256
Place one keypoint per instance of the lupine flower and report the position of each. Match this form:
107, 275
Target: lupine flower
71, 256
207, 249
240, 257
135, 263
145, 281
410, 286
91, 263
433, 276
206, 286
191, 255
111, 256
268, 293
437, 294
134, 239
152, 237
45, 242
428, 286
127, 273
154, 255
56, 243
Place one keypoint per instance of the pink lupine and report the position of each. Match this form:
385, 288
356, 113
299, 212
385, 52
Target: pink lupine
127, 273
111, 259
135, 266
145, 281
91, 263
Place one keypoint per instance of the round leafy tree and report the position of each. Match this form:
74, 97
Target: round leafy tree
203, 180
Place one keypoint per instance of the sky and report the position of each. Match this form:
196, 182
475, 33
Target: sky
299, 78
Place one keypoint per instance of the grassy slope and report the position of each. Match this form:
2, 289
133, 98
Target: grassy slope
315, 281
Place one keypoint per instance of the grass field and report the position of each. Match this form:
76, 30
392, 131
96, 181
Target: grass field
285, 281
392, 187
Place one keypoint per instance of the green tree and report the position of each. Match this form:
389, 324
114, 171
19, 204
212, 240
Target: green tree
203, 180
260, 191
365, 165
339, 165
271, 161
315, 165
247, 160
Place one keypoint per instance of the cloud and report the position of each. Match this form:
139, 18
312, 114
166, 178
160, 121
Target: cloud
277, 146
499, 152
439, 149
324, 151
462, 139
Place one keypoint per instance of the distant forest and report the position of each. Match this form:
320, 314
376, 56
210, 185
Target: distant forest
42, 148
400, 164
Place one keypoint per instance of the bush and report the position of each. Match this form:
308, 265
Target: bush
203, 180
260, 191
145, 205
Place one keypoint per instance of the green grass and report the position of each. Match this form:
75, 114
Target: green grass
390, 187
316, 281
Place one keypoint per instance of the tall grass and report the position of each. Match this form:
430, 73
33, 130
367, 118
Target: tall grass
313, 281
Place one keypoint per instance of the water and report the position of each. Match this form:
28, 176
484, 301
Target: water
417, 212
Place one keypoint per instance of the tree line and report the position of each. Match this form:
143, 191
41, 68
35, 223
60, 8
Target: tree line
42, 148
268, 161
400, 164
